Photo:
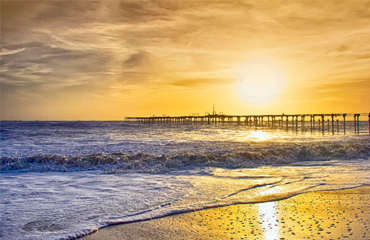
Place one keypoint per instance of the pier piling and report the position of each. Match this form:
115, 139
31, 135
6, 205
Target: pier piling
296, 124
328, 125
344, 123
357, 122
332, 123
323, 123
313, 122
338, 125
287, 123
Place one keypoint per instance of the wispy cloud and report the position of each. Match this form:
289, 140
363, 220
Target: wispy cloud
8, 52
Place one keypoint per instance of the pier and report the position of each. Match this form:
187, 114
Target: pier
330, 122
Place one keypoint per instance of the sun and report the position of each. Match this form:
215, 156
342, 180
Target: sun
259, 82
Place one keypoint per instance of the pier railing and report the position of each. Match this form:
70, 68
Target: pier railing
305, 122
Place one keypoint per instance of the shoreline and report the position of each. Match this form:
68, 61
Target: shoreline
314, 215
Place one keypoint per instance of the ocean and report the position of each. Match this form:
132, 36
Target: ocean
63, 180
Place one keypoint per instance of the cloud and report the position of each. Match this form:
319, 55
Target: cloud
128, 45
198, 82
138, 59
8, 52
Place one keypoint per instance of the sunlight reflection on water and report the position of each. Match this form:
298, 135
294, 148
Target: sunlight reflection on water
268, 217
260, 136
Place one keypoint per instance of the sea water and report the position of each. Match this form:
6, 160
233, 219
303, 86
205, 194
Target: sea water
62, 180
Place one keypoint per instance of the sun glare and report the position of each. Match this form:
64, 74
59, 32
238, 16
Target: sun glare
259, 136
259, 82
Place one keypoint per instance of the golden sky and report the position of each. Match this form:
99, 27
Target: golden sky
103, 60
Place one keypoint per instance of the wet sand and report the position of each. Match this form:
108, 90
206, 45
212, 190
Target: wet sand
342, 214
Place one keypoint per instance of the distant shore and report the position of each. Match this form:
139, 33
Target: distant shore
317, 215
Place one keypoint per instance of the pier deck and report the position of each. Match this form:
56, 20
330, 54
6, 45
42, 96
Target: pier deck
313, 122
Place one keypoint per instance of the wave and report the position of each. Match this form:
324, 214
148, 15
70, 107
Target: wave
273, 154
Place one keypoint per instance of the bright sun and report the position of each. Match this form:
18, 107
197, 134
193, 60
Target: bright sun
259, 82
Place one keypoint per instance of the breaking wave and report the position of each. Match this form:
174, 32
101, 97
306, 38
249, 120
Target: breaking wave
241, 157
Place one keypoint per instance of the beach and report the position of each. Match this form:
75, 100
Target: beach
340, 214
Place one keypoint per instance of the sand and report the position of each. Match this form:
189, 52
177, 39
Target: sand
342, 214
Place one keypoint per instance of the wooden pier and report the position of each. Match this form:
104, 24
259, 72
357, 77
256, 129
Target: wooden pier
305, 122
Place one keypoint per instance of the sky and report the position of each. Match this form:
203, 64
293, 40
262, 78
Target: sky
104, 60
